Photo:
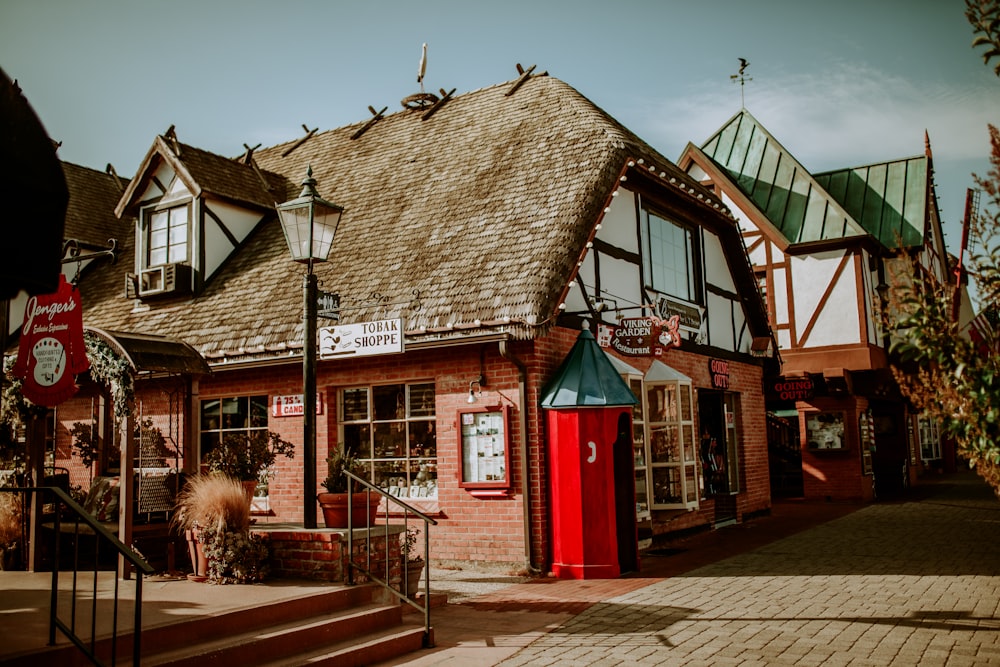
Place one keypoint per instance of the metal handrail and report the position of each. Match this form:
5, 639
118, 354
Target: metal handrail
367, 568
102, 535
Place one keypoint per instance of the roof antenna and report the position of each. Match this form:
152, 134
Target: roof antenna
741, 78
422, 69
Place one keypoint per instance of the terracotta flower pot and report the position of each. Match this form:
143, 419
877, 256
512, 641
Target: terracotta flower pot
199, 562
364, 507
414, 568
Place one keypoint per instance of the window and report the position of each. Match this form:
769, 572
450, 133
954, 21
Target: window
167, 235
391, 429
220, 416
930, 439
669, 257
671, 462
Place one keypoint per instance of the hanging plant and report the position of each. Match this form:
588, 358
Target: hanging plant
113, 371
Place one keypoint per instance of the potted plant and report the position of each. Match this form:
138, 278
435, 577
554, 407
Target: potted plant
334, 503
244, 455
214, 513
413, 562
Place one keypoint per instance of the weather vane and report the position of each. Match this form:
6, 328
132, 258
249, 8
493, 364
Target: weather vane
741, 78
422, 68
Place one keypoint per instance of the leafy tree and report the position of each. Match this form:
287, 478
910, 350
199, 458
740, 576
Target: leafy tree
984, 15
957, 380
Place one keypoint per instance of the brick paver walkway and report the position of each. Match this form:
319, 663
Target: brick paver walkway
906, 583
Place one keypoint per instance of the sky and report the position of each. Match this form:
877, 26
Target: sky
838, 84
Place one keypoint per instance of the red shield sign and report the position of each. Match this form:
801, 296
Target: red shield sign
51, 351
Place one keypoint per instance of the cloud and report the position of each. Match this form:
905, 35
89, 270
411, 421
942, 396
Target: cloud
849, 115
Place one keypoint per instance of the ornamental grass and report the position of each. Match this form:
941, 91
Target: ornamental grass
214, 503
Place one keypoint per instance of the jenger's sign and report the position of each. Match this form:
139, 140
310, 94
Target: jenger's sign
51, 350
361, 339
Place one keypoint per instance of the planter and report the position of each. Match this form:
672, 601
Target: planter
414, 568
249, 488
199, 562
364, 507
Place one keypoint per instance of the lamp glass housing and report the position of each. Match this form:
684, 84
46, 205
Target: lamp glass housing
309, 223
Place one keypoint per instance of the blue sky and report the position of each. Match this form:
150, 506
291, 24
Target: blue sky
839, 84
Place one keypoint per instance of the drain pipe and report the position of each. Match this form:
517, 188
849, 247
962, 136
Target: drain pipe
522, 378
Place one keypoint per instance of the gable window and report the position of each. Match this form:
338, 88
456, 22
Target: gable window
669, 256
391, 429
166, 235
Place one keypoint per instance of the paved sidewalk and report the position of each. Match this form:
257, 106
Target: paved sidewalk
914, 582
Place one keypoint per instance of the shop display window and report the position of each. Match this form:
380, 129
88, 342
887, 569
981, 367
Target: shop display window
825, 430
391, 429
671, 474
485, 448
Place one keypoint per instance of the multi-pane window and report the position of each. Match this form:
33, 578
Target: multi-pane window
930, 439
167, 235
235, 414
669, 256
391, 429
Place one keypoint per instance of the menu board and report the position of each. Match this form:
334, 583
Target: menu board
484, 447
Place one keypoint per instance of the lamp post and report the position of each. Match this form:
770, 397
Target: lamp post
309, 223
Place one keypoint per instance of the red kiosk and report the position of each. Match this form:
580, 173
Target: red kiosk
592, 475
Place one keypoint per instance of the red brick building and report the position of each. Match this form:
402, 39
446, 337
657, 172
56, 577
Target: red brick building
488, 228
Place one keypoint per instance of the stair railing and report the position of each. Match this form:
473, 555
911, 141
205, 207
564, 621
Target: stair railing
396, 521
77, 516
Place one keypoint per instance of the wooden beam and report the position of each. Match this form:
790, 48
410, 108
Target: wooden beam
376, 116
437, 105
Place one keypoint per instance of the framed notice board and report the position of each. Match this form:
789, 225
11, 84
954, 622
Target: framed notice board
484, 440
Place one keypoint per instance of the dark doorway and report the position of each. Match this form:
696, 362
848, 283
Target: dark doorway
713, 454
784, 455
625, 521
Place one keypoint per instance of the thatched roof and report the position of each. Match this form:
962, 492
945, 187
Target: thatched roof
479, 212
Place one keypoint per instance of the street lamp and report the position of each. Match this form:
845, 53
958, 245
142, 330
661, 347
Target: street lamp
309, 223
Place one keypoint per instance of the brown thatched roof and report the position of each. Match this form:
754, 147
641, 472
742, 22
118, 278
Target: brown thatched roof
479, 212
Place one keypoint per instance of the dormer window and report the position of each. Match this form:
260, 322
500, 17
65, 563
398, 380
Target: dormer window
166, 235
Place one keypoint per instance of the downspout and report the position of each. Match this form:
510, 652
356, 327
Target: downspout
522, 376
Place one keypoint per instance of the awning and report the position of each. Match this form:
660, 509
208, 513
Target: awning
154, 354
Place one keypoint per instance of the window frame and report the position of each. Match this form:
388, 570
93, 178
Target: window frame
147, 234
653, 270
414, 446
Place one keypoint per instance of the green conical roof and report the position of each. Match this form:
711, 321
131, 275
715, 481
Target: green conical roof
586, 378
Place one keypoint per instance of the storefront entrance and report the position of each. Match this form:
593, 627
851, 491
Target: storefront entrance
717, 452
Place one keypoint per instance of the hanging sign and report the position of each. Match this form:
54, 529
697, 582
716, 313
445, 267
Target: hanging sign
645, 336
793, 388
51, 350
361, 339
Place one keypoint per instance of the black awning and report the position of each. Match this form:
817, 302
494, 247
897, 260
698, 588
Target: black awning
154, 354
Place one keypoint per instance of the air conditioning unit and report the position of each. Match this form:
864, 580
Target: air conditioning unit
164, 280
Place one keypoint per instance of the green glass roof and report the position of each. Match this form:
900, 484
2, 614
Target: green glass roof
888, 199
885, 200
586, 378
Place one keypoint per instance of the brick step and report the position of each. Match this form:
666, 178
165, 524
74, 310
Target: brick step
274, 642
373, 648
349, 622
